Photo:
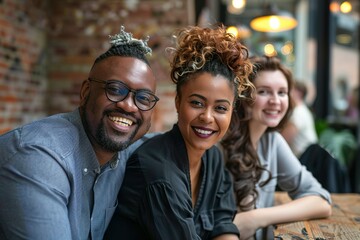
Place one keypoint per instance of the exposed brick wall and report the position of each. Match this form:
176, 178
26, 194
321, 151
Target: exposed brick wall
47, 49
22, 63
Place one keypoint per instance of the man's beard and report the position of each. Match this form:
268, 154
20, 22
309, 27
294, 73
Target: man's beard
102, 137
109, 144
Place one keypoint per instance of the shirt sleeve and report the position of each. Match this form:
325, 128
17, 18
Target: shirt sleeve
165, 215
294, 177
225, 208
33, 196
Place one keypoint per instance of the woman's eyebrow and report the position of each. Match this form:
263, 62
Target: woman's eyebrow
204, 98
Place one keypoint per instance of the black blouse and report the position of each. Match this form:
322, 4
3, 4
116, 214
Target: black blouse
154, 201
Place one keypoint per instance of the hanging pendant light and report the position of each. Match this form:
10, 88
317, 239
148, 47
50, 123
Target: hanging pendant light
236, 6
273, 20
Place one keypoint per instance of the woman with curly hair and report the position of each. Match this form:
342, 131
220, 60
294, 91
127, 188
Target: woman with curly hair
260, 159
176, 185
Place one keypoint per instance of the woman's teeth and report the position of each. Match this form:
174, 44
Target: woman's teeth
201, 131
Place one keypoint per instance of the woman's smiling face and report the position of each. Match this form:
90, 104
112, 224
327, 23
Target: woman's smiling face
204, 107
272, 99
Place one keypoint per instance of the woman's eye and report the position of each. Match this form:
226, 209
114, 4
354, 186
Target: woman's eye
262, 92
221, 109
282, 93
196, 104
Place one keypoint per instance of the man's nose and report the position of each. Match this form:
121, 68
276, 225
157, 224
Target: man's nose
128, 103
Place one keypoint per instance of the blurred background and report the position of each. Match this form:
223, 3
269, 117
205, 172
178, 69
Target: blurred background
47, 48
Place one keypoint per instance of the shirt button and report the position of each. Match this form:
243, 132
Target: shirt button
97, 170
114, 164
85, 171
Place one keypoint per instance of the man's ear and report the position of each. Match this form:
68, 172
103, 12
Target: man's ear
84, 92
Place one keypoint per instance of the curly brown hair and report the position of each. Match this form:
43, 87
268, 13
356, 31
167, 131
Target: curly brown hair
240, 155
211, 50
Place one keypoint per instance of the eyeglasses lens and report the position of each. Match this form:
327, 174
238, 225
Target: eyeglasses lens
117, 92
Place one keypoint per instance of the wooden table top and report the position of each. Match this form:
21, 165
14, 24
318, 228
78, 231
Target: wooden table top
343, 224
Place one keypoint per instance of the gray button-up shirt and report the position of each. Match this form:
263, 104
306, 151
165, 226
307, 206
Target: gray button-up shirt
51, 184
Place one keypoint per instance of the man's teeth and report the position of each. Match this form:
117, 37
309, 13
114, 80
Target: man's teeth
121, 121
201, 131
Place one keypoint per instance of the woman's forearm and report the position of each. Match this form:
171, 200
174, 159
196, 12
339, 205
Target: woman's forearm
304, 208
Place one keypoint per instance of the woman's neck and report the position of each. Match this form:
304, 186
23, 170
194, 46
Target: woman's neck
256, 133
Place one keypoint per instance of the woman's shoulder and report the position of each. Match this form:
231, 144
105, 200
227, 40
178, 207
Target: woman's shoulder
155, 145
272, 137
162, 149
273, 145
214, 158
269, 138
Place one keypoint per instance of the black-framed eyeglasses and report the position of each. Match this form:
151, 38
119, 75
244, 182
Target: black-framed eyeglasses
117, 91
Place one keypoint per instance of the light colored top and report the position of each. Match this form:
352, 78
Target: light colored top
287, 172
51, 184
303, 120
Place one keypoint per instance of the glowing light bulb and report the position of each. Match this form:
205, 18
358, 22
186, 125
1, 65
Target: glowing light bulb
238, 3
334, 7
236, 6
274, 22
269, 50
345, 7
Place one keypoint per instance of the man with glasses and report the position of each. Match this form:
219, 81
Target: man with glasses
59, 176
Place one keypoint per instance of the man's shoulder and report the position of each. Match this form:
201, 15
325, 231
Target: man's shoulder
59, 127
55, 131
